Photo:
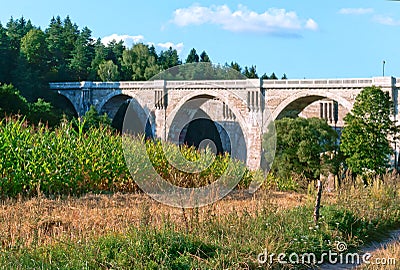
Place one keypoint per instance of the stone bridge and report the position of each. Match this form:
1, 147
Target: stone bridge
239, 110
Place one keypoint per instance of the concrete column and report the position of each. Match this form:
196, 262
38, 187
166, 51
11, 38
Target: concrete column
254, 148
161, 103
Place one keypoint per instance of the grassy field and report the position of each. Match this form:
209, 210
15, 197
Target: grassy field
131, 231
69, 202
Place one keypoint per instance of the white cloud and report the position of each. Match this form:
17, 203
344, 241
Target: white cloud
243, 20
178, 47
381, 19
128, 40
386, 20
311, 24
356, 11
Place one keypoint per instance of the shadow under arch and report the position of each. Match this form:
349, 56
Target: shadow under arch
191, 125
298, 102
63, 103
203, 128
112, 105
127, 114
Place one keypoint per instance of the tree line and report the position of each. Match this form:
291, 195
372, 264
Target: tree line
30, 58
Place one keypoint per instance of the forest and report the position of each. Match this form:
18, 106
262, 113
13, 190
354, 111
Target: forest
30, 58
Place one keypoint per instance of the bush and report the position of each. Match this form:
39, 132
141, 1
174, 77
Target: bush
11, 102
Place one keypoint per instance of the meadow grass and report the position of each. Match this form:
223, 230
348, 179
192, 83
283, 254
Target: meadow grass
134, 232
48, 220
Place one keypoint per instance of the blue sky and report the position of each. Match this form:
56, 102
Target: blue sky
304, 39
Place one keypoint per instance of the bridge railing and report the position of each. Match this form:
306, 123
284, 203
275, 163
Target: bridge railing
231, 84
318, 83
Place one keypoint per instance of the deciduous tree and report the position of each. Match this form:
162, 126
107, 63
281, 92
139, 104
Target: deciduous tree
303, 147
365, 137
108, 71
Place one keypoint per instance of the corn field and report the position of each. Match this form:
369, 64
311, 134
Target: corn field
69, 161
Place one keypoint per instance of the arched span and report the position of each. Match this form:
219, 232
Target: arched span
203, 128
211, 94
236, 132
111, 105
138, 119
300, 100
64, 103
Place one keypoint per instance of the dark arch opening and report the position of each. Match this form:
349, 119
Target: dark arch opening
128, 116
118, 120
65, 106
199, 130
112, 106
136, 128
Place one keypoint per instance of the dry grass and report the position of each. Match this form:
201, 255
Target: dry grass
40, 220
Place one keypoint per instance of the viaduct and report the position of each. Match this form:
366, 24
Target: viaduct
239, 111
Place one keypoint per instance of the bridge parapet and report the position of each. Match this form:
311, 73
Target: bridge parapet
156, 84
330, 83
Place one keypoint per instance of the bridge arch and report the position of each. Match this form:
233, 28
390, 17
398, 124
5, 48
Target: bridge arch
117, 104
112, 103
238, 108
202, 127
66, 104
301, 100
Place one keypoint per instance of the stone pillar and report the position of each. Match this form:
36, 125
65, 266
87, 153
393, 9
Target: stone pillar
161, 104
254, 144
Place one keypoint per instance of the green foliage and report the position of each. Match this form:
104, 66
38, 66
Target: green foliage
92, 119
42, 111
33, 47
304, 147
138, 63
251, 72
204, 57
108, 71
282, 183
273, 76
168, 59
82, 54
11, 102
364, 141
5, 55
235, 66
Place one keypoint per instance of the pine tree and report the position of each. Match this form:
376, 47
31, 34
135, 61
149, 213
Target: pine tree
204, 57
193, 57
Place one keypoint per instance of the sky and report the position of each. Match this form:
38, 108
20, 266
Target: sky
303, 39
